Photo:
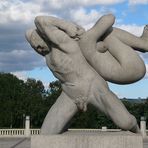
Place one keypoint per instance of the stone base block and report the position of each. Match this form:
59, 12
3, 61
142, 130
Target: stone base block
87, 139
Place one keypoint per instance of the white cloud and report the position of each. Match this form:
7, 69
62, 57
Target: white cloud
46, 85
135, 2
25, 11
59, 4
17, 10
23, 75
20, 74
134, 29
20, 60
84, 18
87, 18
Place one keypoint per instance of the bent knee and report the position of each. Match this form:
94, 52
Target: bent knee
136, 72
130, 72
141, 71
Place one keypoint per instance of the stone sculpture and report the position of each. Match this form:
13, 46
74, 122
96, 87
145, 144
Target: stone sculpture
83, 61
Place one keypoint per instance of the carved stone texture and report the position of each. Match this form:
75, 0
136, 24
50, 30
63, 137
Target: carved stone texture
83, 61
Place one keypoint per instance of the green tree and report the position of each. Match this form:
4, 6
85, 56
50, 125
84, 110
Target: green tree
18, 98
10, 93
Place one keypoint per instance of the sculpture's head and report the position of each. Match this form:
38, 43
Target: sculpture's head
37, 42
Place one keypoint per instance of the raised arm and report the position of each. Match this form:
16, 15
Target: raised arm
72, 29
58, 38
48, 37
58, 30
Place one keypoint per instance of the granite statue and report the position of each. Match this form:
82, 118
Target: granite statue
84, 61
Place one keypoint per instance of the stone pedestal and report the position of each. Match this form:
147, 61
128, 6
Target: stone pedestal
81, 139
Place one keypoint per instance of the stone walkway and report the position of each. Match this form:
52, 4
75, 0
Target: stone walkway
25, 143
14, 143
145, 142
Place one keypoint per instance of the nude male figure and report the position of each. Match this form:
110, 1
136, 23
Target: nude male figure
80, 82
112, 51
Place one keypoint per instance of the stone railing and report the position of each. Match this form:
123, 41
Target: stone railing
34, 131
24, 133
18, 132
31, 132
94, 130
11, 132
27, 131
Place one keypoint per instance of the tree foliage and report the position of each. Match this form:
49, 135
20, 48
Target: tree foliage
19, 98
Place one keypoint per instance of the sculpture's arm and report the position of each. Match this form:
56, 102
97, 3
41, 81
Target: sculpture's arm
48, 26
72, 29
57, 37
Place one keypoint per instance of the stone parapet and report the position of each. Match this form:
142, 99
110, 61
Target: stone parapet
77, 139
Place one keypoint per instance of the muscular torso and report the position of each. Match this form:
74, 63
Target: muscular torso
68, 67
73, 71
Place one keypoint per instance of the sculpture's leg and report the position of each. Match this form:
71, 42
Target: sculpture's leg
129, 66
120, 64
107, 102
89, 39
138, 43
59, 115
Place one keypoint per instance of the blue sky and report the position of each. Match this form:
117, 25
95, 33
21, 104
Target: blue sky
17, 57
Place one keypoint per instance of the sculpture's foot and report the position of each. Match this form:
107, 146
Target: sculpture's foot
145, 33
144, 37
135, 129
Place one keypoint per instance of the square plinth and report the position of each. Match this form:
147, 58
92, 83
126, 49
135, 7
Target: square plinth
89, 139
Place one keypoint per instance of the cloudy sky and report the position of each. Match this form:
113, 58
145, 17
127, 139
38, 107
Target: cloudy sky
16, 16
